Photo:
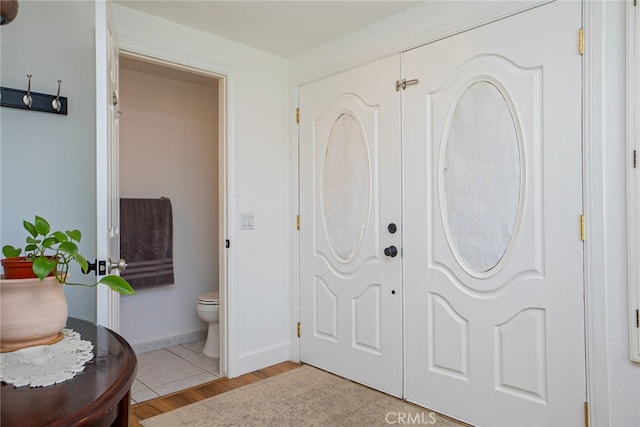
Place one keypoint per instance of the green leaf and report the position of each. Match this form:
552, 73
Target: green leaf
30, 228
43, 266
10, 252
69, 248
49, 242
42, 226
118, 284
83, 263
75, 235
60, 236
30, 247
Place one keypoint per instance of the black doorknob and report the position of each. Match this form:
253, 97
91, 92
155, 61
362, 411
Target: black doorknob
391, 251
392, 228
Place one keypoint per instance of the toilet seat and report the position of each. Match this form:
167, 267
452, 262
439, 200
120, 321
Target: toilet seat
210, 298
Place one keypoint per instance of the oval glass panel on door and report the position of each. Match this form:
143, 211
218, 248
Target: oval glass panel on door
481, 177
346, 187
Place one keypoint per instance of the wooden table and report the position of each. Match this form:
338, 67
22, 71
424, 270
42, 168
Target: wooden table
98, 396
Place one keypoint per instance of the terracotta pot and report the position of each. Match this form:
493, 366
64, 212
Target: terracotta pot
19, 268
9, 11
31, 312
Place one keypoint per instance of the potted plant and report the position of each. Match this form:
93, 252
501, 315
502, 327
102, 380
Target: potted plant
62, 249
33, 305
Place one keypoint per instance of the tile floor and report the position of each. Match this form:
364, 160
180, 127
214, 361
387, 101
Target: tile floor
171, 369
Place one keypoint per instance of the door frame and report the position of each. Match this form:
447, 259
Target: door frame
597, 372
594, 153
108, 304
107, 301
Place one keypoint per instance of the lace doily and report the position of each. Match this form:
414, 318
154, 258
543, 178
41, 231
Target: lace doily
44, 365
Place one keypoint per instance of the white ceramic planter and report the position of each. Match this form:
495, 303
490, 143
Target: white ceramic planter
31, 312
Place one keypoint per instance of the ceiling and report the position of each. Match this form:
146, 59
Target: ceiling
284, 28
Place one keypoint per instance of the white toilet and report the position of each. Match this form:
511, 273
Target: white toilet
209, 310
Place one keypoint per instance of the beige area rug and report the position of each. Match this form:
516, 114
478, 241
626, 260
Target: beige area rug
304, 396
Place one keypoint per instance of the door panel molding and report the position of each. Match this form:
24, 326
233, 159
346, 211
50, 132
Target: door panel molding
513, 82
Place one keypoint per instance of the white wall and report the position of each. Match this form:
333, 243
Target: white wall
427, 22
437, 19
47, 161
624, 375
259, 318
169, 148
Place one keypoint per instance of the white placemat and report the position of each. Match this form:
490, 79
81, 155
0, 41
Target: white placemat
45, 365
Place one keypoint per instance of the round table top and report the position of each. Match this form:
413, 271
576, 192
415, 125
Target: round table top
90, 398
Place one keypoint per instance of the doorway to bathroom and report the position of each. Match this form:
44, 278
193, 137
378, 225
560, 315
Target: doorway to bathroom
171, 145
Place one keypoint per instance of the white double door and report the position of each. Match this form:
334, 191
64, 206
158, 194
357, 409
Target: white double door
478, 165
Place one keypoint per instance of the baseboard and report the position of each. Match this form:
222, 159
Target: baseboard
169, 341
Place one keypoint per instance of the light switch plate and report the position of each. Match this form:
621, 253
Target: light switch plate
247, 221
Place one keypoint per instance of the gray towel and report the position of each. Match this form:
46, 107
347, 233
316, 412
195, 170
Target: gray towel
146, 241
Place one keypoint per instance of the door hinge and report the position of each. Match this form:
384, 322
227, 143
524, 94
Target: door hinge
581, 41
227, 244
402, 84
297, 222
637, 318
299, 329
583, 228
635, 159
587, 415
297, 115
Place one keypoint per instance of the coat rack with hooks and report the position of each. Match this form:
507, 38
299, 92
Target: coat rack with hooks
28, 100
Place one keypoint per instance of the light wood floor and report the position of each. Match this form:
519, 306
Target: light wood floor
177, 400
